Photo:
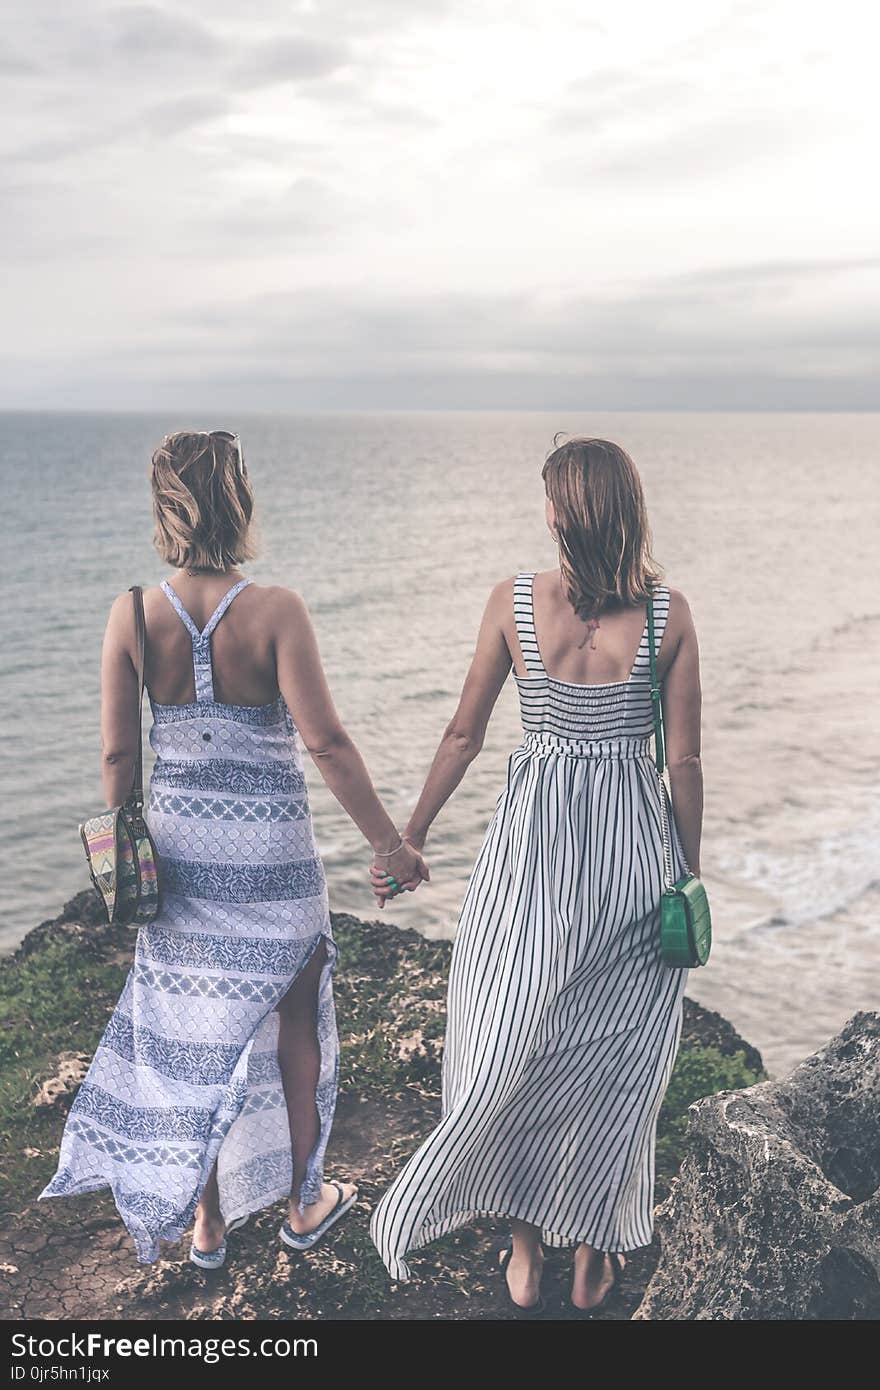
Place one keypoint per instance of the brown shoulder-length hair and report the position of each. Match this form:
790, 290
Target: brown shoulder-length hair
202, 501
602, 526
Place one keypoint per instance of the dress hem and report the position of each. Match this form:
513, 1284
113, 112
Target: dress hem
555, 1239
148, 1242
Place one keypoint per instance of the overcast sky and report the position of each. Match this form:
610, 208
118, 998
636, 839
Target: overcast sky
396, 203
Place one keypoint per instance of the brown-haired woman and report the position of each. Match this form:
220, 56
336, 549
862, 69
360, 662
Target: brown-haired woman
213, 1088
563, 1021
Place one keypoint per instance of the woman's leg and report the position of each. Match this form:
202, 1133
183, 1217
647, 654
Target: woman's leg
526, 1264
593, 1276
299, 1056
209, 1228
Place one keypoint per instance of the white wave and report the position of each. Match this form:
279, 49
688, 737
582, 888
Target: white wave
813, 879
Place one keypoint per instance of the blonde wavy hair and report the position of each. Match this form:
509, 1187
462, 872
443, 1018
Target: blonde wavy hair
202, 501
602, 526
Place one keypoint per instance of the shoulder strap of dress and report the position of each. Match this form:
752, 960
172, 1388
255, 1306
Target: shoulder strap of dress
223, 605
660, 614
179, 609
524, 617
203, 670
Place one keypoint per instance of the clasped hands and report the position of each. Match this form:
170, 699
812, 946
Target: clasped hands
400, 872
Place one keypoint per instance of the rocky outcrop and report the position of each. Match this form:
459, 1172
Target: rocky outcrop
775, 1213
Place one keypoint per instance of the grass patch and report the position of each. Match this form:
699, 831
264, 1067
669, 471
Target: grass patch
699, 1071
57, 999
391, 1004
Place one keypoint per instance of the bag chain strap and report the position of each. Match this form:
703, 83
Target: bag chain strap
659, 756
668, 883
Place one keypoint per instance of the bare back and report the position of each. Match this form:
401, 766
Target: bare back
261, 645
242, 644
571, 653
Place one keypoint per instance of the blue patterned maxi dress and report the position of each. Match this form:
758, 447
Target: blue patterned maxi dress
187, 1071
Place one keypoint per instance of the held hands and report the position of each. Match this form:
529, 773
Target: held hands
399, 872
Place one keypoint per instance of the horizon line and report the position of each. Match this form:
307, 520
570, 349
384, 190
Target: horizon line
448, 410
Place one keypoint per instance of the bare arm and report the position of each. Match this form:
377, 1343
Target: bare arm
682, 703
464, 735
303, 684
119, 708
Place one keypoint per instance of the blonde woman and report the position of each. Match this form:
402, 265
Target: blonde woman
563, 1021
212, 1091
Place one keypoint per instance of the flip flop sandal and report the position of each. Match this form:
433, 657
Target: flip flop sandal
521, 1312
214, 1259
295, 1241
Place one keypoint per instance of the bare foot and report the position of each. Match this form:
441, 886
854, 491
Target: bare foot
523, 1275
209, 1230
594, 1275
309, 1220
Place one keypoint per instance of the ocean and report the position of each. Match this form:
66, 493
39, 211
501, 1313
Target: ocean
394, 527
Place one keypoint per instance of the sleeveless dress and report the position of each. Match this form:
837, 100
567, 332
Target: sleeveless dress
562, 1021
187, 1071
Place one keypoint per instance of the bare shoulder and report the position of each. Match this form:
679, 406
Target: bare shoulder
282, 605
153, 596
121, 617
121, 604
501, 596
677, 603
680, 615
119, 633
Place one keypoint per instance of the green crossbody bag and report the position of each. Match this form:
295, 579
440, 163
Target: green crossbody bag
685, 919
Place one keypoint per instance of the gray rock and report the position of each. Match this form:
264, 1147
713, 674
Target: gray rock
775, 1213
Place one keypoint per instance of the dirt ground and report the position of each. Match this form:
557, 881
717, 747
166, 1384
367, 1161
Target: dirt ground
74, 1259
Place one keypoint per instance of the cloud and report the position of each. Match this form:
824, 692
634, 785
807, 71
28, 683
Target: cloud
164, 119
148, 31
703, 147
183, 113
697, 337
612, 95
289, 59
776, 271
303, 211
14, 65
650, 325
386, 200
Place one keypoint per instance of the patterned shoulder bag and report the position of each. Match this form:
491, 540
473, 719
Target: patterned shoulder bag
119, 848
685, 919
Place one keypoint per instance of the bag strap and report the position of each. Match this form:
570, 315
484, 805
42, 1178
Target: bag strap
140, 630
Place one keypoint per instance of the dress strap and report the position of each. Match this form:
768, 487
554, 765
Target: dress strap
524, 617
180, 610
201, 641
661, 613
223, 605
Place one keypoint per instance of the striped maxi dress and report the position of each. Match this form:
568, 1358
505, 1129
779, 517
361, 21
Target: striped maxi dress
563, 1022
186, 1074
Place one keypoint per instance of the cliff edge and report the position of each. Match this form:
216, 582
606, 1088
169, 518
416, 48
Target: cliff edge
74, 1259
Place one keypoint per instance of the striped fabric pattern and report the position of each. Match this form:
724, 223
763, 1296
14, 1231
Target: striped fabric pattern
187, 1071
562, 1020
